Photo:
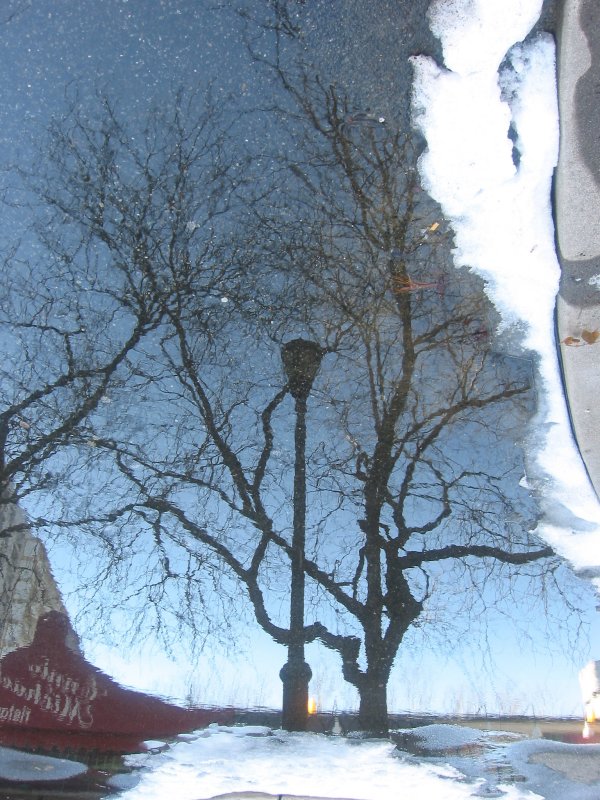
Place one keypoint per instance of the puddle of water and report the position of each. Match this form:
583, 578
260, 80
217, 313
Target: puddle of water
214, 186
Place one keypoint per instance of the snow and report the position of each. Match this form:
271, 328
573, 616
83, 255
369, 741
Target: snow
258, 761
444, 737
498, 201
229, 759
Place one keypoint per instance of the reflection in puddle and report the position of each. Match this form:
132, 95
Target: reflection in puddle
170, 245
51, 697
476, 753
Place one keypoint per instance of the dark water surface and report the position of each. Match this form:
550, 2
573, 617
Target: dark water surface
187, 188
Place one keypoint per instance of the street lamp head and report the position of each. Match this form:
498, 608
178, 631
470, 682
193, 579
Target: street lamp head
301, 360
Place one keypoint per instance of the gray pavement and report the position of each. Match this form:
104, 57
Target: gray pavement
577, 207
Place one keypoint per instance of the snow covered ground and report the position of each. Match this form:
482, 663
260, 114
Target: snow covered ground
460, 763
433, 762
495, 188
254, 759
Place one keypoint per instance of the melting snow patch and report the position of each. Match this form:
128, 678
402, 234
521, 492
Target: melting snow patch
494, 97
237, 760
595, 281
442, 738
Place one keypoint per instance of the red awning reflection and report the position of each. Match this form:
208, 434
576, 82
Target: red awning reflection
52, 698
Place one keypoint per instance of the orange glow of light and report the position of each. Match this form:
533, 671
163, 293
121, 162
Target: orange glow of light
312, 705
586, 733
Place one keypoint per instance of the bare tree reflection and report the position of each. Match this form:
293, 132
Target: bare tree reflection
415, 396
205, 269
127, 225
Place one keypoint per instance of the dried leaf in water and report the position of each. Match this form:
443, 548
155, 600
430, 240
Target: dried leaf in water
590, 336
571, 341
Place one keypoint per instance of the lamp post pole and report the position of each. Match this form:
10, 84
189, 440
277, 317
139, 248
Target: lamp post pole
301, 360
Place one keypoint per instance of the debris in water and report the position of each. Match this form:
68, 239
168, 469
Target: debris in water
404, 283
361, 119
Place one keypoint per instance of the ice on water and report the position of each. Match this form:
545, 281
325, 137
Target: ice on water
18, 766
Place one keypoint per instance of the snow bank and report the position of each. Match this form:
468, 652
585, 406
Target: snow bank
490, 119
222, 759
442, 737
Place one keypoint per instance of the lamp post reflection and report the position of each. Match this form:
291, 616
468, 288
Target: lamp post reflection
301, 360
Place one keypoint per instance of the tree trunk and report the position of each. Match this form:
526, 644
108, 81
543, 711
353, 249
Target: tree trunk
373, 714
